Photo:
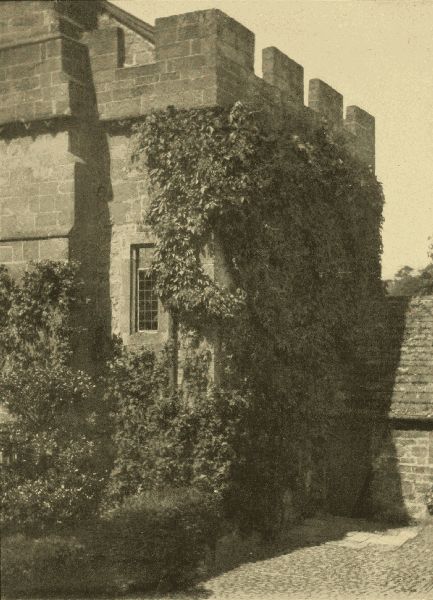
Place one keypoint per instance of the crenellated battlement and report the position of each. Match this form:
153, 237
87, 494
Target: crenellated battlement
323, 99
362, 126
204, 58
284, 73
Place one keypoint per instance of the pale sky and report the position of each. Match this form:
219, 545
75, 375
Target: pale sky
379, 55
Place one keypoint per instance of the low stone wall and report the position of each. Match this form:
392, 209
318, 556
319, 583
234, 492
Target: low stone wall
403, 470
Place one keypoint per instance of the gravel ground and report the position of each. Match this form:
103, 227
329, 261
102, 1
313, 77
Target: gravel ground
335, 559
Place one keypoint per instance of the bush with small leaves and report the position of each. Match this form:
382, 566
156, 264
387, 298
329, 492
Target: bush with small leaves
158, 539
56, 433
48, 565
186, 437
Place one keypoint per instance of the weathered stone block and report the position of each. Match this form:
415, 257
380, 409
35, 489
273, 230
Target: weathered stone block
46, 204
167, 77
362, 126
54, 48
104, 41
6, 254
103, 76
139, 71
125, 108
104, 62
17, 250
186, 63
31, 250
46, 221
54, 249
284, 73
188, 32
173, 50
8, 226
204, 32
19, 72
323, 99
21, 55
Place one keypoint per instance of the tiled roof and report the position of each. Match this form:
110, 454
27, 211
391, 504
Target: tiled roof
412, 392
133, 23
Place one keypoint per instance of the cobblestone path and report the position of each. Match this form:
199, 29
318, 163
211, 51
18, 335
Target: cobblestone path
336, 559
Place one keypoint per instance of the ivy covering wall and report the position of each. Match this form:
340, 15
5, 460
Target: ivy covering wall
270, 347
298, 221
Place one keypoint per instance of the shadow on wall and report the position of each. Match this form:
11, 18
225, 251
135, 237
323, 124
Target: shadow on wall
382, 495
348, 464
349, 460
363, 483
90, 238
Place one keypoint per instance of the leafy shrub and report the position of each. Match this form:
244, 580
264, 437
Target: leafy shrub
186, 437
48, 565
157, 540
39, 320
214, 438
152, 541
57, 432
65, 487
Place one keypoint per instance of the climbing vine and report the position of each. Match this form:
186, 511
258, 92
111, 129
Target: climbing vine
295, 220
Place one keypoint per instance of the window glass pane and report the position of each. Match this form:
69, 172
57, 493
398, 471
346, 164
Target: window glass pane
144, 256
147, 301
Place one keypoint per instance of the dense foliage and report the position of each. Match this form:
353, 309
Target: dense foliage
294, 220
293, 212
158, 540
57, 473
153, 541
57, 518
165, 437
46, 565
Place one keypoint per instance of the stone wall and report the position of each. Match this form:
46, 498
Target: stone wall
71, 75
44, 80
137, 38
376, 460
43, 65
52, 60
128, 205
37, 200
403, 470
74, 76
206, 58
